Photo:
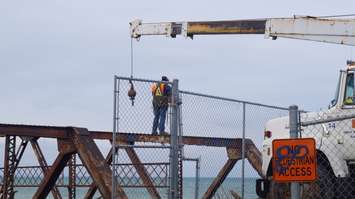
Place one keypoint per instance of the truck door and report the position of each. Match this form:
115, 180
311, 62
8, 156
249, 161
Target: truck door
344, 131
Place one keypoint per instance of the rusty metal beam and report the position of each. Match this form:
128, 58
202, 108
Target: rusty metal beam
49, 180
219, 179
33, 131
62, 132
234, 154
20, 151
81, 140
226, 27
254, 157
9, 167
66, 150
93, 187
72, 177
235, 195
142, 172
180, 174
95, 163
191, 28
44, 165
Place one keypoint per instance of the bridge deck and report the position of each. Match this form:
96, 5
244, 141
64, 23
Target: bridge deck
62, 132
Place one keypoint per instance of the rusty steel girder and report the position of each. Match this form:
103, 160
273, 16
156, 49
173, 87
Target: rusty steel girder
91, 157
93, 187
95, 163
9, 167
63, 132
72, 177
66, 150
80, 141
43, 164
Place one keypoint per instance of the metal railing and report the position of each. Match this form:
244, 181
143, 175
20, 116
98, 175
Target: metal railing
32, 176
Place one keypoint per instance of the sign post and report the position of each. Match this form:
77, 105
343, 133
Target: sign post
294, 160
295, 187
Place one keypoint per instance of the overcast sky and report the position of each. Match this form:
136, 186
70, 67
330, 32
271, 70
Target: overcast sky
58, 58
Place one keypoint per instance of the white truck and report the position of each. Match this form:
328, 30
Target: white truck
334, 139
334, 134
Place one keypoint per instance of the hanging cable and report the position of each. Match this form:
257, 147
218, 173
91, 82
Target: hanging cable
131, 92
131, 57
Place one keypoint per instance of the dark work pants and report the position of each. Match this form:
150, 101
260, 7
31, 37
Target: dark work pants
159, 118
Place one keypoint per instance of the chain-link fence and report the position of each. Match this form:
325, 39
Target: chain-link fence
333, 131
146, 157
215, 135
218, 117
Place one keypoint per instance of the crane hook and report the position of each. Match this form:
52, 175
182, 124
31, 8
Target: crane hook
132, 93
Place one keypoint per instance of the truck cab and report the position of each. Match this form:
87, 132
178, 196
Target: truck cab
335, 140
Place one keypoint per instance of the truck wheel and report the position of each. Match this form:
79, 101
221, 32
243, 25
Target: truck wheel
324, 186
279, 190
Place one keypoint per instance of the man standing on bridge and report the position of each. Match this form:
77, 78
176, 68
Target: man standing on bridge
161, 96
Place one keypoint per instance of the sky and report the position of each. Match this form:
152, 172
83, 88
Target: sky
58, 58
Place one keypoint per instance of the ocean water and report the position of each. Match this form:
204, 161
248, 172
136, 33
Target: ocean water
188, 185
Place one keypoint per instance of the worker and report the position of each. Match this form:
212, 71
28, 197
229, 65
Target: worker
161, 96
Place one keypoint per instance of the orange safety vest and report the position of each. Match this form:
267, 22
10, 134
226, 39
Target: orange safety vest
158, 89
159, 96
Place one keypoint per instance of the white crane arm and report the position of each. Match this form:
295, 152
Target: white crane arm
339, 31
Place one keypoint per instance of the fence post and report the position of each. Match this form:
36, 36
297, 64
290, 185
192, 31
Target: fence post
197, 182
295, 186
174, 162
243, 151
181, 147
114, 132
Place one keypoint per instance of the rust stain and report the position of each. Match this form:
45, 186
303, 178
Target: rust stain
227, 27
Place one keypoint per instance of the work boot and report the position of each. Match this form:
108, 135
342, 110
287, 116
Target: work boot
164, 133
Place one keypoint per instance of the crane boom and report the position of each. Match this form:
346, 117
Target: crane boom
339, 31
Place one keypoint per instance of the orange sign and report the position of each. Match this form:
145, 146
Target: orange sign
353, 123
294, 160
